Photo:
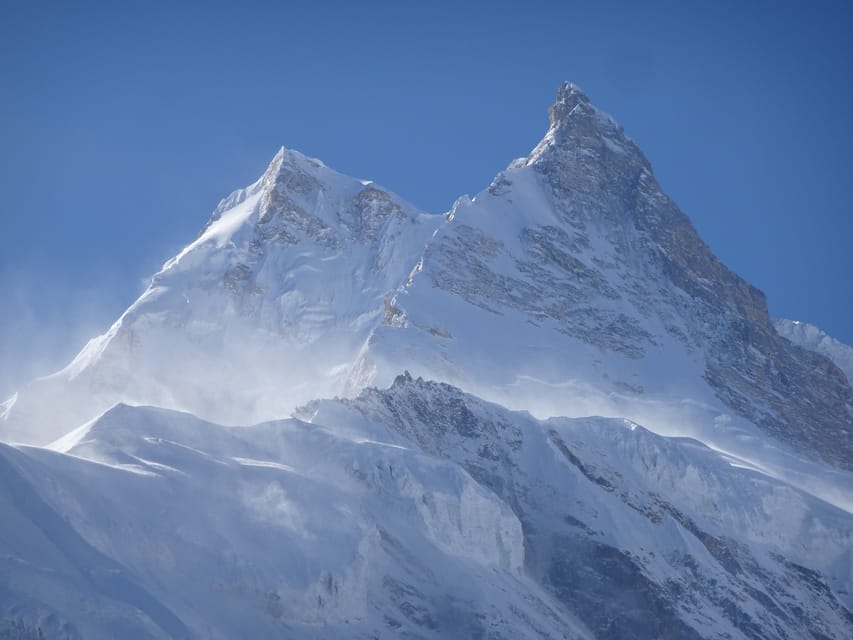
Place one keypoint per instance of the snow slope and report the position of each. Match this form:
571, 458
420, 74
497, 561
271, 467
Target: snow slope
417, 511
268, 308
148, 523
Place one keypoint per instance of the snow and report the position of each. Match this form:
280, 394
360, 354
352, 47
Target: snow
582, 436
638, 468
279, 527
7, 405
321, 299
222, 230
263, 463
291, 516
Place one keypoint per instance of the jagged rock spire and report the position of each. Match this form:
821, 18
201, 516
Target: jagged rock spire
570, 98
577, 124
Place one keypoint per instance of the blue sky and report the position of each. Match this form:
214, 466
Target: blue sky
122, 124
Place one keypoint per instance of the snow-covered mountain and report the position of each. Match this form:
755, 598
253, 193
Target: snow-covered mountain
267, 309
571, 286
573, 266
601, 298
417, 511
159, 525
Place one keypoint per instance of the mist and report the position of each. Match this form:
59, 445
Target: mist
46, 319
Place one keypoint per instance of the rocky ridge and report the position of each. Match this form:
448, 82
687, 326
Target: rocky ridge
810, 337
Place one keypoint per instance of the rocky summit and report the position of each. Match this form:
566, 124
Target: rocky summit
547, 412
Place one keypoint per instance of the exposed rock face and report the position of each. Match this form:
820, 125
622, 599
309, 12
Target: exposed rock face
754, 372
810, 337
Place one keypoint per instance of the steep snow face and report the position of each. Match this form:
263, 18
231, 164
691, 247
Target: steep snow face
148, 523
810, 337
574, 286
416, 511
268, 308
639, 535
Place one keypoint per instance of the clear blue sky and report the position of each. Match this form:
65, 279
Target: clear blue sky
123, 123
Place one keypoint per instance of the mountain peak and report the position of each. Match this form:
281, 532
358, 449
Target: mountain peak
577, 124
287, 161
570, 100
